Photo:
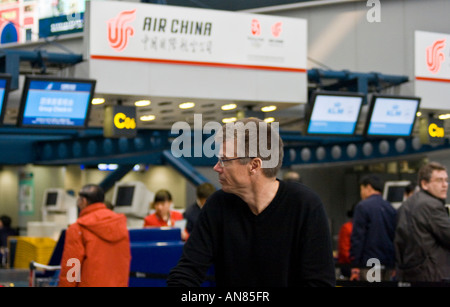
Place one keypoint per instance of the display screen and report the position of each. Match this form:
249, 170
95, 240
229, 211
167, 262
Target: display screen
52, 198
61, 103
4, 90
124, 196
395, 194
334, 113
392, 116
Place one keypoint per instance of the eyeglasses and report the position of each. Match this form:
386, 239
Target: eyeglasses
440, 180
231, 159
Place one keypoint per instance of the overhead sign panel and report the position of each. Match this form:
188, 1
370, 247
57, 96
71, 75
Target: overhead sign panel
119, 121
391, 115
431, 131
334, 113
54, 102
5, 81
168, 34
432, 69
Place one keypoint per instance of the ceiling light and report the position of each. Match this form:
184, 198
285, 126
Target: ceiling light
230, 106
269, 119
268, 108
444, 116
142, 103
186, 105
419, 114
98, 100
146, 118
229, 120
107, 167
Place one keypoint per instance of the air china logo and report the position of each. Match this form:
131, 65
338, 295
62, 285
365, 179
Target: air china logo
256, 27
119, 30
435, 56
276, 29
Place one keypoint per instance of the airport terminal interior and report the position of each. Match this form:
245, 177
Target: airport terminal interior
128, 94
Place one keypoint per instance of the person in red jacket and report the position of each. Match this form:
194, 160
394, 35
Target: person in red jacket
163, 215
344, 244
97, 246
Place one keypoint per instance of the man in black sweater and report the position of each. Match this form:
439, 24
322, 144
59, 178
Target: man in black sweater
257, 230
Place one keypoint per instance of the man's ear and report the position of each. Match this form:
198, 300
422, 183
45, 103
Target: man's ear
424, 185
255, 165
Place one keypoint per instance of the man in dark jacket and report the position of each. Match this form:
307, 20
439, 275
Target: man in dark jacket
257, 231
373, 228
422, 237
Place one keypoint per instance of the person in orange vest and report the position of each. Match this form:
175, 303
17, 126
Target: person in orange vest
97, 246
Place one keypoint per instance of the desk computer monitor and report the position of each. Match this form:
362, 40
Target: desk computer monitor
57, 200
394, 192
132, 198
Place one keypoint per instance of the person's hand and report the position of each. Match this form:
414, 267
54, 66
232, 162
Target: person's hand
184, 235
354, 274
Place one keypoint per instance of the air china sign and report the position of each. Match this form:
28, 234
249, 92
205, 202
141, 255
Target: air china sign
432, 56
167, 34
432, 69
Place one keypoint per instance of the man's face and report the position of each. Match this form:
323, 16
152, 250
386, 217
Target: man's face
364, 191
233, 176
438, 184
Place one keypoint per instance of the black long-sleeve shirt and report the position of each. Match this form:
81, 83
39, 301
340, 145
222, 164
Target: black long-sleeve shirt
287, 244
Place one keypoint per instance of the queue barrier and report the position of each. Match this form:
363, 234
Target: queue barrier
155, 234
154, 252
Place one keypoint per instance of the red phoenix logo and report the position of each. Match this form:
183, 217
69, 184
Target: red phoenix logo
119, 30
435, 56
276, 29
256, 27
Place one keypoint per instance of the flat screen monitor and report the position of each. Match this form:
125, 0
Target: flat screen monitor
51, 102
391, 116
334, 113
394, 192
132, 198
5, 83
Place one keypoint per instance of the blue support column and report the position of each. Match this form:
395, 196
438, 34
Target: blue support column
10, 64
185, 168
115, 176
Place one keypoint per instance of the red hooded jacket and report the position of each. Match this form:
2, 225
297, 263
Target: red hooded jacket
99, 239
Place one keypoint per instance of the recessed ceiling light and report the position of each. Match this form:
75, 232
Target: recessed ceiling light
146, 118
269, 119
98, 100
268, 108
142, 103
230, 106
444, 116
186, 105
229, 120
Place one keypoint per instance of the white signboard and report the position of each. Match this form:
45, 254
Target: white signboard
131, 31
432, 69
